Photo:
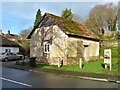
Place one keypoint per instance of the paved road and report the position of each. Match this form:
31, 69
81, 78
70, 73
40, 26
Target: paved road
13, 78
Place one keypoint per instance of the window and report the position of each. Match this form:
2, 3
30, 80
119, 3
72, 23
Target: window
7, 50
46, 47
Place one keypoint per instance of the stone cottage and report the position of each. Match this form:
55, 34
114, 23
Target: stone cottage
56, 39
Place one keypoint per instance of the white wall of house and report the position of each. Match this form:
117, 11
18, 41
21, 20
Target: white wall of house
12, 49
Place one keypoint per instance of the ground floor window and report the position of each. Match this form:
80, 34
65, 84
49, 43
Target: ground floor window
46, 47
7, 50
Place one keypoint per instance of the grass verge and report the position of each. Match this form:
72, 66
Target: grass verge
89, 67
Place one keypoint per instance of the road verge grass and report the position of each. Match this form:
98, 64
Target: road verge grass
88, 67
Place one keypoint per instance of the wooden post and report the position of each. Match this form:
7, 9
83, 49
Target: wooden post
80, 63
110, 66
105, 66
107, 58
110, 61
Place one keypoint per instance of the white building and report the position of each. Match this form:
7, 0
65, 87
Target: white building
7, 45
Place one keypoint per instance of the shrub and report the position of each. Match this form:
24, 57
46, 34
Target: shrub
25, 48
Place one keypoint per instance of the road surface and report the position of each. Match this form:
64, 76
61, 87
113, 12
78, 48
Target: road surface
14, 78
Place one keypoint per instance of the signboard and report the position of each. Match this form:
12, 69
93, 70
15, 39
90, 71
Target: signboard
107, 57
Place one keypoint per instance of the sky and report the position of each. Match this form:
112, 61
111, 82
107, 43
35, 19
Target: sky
17, 16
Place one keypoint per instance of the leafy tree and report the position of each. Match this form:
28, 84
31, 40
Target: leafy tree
114, 24
67, 14
23, 42
24, 47
38, 17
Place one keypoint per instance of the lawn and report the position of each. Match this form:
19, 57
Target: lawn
91, 67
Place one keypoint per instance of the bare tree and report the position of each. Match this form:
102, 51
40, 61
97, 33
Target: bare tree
24, 33
102, 17
77, 18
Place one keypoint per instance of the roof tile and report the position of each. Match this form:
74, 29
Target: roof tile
71, 27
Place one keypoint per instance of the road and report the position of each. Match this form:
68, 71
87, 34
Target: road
14, 78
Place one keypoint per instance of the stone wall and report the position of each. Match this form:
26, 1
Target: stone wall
91, 49
74, 50
62, 48
41, 34
58, 46
35, 45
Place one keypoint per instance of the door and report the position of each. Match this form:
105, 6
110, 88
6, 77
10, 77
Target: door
85, 52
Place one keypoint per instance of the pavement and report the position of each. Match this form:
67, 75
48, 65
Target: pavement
81, 75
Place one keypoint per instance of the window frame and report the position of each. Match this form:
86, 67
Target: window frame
46, 47
7, 50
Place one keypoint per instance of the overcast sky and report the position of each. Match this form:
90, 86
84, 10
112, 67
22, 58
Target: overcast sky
17, 16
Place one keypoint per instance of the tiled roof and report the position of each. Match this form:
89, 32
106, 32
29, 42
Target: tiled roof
7, 43
70, 27
11, 36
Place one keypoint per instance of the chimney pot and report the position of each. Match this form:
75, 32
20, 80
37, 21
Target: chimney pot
8, 31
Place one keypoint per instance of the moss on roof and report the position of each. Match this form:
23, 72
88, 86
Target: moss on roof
71, 27
7, 43
68, 27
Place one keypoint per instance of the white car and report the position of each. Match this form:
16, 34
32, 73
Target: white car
10, 56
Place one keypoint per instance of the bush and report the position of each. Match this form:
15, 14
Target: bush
114, 51
25, 47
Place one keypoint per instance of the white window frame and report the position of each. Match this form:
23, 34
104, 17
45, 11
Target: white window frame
46, 47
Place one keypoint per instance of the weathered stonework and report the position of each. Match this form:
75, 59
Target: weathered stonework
59, 44
75, 50
35, 45
92, 50
64, 49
